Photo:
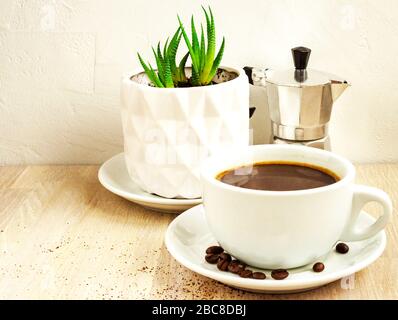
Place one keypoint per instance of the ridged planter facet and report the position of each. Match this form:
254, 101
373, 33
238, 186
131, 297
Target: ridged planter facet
169, 131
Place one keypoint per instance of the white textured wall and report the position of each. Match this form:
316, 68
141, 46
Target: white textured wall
61, 61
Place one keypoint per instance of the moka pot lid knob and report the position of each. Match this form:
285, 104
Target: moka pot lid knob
301, 56
300, 76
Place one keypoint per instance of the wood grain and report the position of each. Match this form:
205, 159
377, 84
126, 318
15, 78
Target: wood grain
63, 236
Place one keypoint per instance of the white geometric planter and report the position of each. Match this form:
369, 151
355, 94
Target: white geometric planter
169, 131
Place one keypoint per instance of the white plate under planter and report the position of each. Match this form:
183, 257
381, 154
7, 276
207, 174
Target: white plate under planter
188, 236
113, 176
169, 131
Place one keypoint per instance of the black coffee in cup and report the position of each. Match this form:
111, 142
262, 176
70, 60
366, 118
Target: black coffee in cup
278, 176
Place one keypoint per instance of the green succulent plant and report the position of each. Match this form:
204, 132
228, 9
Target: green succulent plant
204, 65
204, 62
168, 74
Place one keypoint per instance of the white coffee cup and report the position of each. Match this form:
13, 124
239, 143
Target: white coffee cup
286, 229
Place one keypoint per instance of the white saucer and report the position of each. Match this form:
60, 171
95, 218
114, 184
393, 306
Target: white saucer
113, 176
188, 236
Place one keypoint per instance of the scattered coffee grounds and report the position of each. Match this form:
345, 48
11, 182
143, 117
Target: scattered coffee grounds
342, 248
212, 258
318, 267
225, 256
214, 250
259, 275
246, 273
223, 265
279, 274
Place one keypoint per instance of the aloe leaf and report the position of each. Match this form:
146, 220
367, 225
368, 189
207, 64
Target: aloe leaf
202, 49
159, 52
172, 52
150, 73
167, 74
155, 78
167, 67
178, 71
165, 48
211, 46
195, 81
195, 40
159, 63
146, 68
216, 62
181, 68
194, 58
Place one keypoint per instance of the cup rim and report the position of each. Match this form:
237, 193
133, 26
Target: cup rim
348, 177
127, 81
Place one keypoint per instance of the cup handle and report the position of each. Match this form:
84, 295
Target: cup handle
363, 195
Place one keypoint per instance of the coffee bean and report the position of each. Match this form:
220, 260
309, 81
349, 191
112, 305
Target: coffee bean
235, 267
279, 274
214, 250
342, 248
318, 267
259, 275
212, 258
223, 264
242, 264
225, 256
246, 273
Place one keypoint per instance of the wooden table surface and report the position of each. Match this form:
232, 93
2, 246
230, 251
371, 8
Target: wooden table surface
63, 236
